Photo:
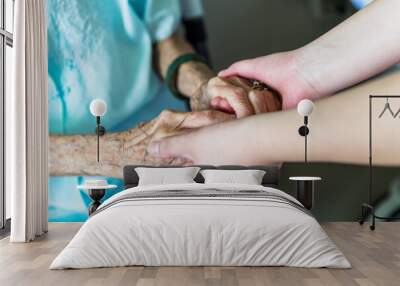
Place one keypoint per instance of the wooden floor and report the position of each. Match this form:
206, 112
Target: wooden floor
375, 257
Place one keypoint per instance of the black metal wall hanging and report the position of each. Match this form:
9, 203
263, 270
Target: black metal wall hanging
367, 209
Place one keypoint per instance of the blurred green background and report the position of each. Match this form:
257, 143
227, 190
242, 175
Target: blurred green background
343, 188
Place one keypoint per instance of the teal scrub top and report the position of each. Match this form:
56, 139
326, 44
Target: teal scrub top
103, 49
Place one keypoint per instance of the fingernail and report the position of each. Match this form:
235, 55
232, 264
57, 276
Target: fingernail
154, 148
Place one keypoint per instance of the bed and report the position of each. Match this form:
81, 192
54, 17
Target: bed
201, 224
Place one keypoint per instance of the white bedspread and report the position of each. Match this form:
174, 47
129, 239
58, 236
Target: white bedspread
200, 231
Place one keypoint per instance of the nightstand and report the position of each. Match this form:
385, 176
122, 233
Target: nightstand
96, 192
305, 190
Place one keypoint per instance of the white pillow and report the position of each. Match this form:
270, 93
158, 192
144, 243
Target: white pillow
162, 176
248, 177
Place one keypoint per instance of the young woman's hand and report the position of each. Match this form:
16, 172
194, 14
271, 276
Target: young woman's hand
278, 71
247, 141
168, 125
235, 95
215, 144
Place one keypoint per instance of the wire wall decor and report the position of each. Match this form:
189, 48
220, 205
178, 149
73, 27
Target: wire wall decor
367, 209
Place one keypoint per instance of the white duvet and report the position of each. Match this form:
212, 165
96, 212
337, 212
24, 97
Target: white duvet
200, 231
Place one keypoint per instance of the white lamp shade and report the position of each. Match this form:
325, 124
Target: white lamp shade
305, 107
98, 107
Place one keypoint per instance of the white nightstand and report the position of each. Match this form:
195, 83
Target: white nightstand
305, 190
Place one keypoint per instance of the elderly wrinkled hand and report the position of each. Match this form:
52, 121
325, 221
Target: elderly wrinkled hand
235, 95
171, 123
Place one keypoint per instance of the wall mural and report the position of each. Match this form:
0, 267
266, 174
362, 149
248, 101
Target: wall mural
127, 55
121, 52
101, 51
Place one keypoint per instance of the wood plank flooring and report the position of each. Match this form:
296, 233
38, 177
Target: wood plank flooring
375, 257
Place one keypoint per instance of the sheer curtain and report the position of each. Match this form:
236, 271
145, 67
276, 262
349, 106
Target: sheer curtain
26, 123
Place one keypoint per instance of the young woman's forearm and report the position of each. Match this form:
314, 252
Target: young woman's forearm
360, 47
339, 129
342, 123
338, 133
191, 75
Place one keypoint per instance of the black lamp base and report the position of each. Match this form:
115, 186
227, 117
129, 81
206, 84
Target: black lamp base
304, 131
96, 195
305, 193
100, 129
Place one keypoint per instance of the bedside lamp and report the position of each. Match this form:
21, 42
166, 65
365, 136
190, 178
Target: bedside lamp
305, 185
305, 108
98, 108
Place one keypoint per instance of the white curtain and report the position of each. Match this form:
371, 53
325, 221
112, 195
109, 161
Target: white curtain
27, 123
